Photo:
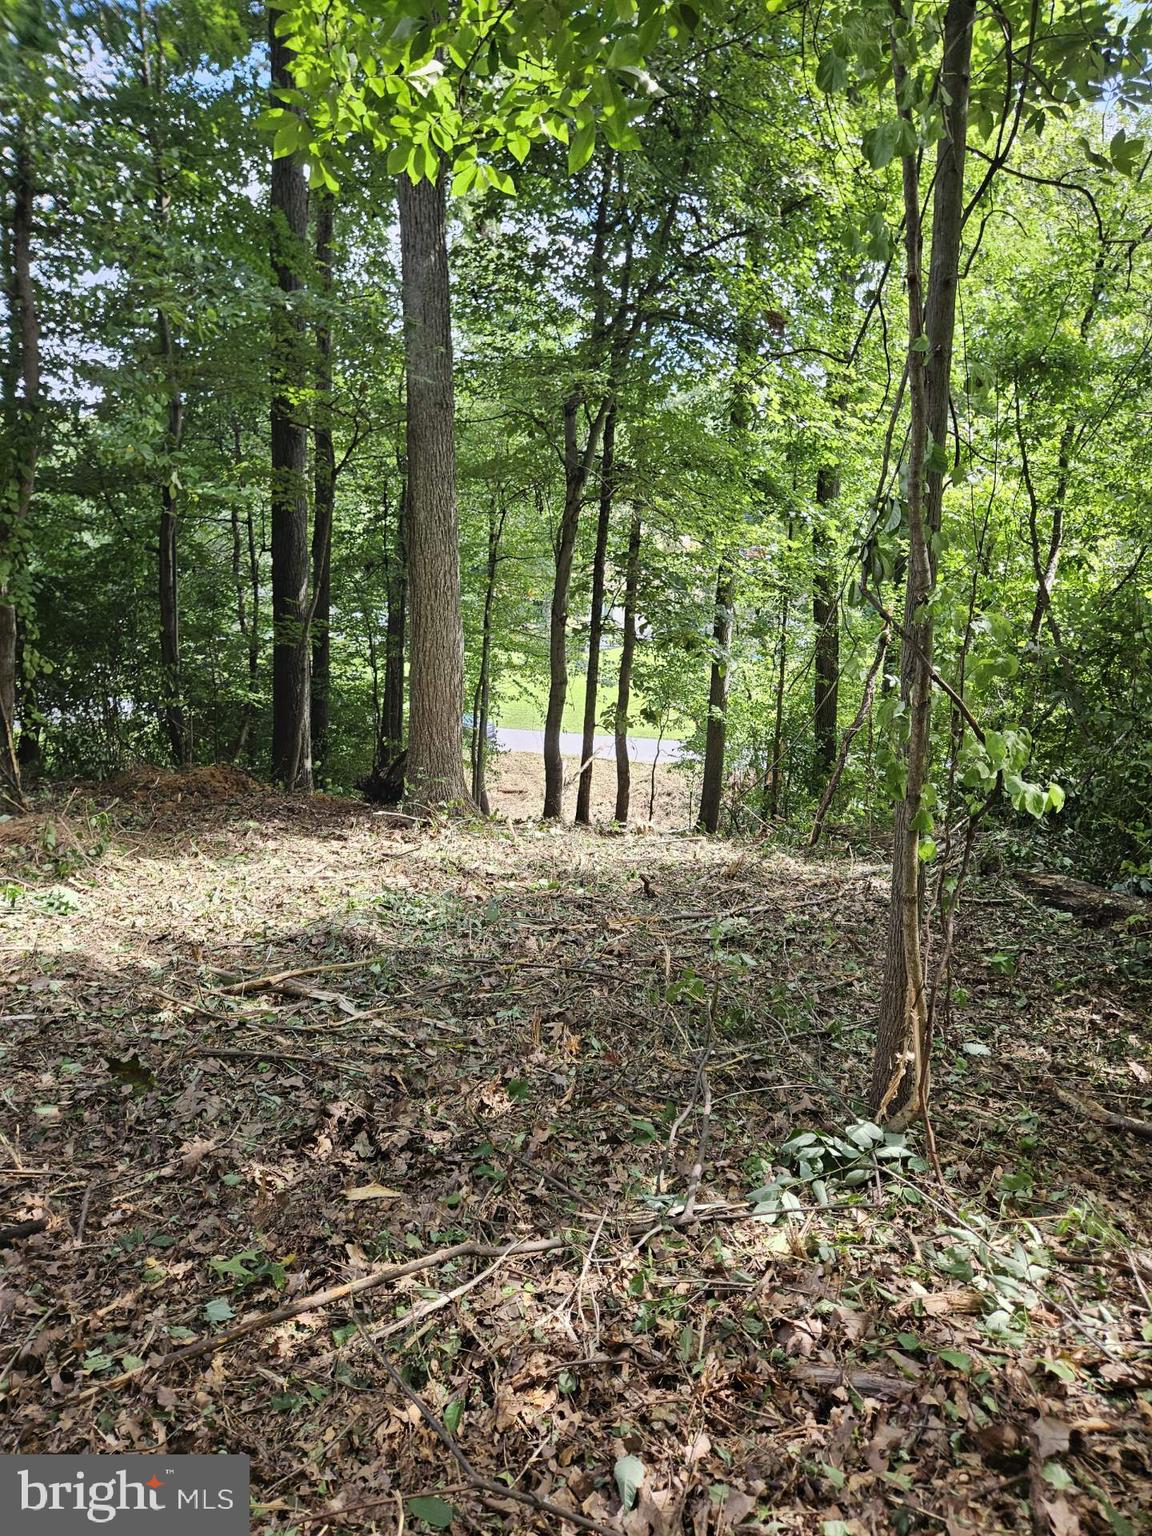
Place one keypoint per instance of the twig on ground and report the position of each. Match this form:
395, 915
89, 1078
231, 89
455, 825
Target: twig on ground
261, 1320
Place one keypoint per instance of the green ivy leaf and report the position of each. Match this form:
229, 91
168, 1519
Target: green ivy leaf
434, 1512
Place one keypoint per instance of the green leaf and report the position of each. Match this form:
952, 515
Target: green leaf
218, 1310
581, 148
1057, 1477
832, 73
433, 1512
926, 850
957, 1359
629, 1473
1059, 1368
453, 1414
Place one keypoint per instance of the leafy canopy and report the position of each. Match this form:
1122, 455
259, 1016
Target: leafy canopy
466, 85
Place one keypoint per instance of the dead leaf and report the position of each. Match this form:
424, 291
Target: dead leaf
737, 1507
1062, 1517
371, 1192
1052, 1437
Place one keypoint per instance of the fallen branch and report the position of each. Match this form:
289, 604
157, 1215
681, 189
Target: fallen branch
866, 1383
260, 983
1101, 1115
258, 1321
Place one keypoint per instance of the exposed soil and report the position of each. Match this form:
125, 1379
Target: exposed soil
502, 1034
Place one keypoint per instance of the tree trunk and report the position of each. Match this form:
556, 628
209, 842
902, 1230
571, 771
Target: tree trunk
577, 463
624, 686
849, 737
435, 768
712, 784
291, 734
172, 716
826, 617
481, 704
21, 426
774, 776
392, 709
324, 487
596, 617
900, 1075
175, 725
248, 625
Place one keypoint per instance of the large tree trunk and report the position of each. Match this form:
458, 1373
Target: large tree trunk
596, 617
716, 731
392, 708
291, 734
21, 444
324, 487
826, 618
900, 1077
577, 463
435, 768
624, 685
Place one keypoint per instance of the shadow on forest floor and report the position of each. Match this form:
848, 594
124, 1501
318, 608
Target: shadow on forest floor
500, 1034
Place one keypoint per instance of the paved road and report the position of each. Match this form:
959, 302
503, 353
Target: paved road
641, 749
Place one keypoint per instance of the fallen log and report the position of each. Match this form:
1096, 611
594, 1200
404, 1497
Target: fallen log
1101, 1115
1091, 903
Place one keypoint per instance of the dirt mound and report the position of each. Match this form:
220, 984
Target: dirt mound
211, 781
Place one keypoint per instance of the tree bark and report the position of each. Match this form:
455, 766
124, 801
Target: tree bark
172, 715
900, 1073
716, 731
826, 618
291, 733
577, 464
21, 427
596, 616
624, 685
775, 776
392, 709
849, 736
249, 625
435, 768
324, 486
481, 704
175, 723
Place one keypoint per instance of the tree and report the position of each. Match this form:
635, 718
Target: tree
435, 767
324, 485
291, 694
596, 616
25, 44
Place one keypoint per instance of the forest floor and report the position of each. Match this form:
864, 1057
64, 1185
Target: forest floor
453, 1176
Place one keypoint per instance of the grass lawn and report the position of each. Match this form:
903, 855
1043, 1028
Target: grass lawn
519, 701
